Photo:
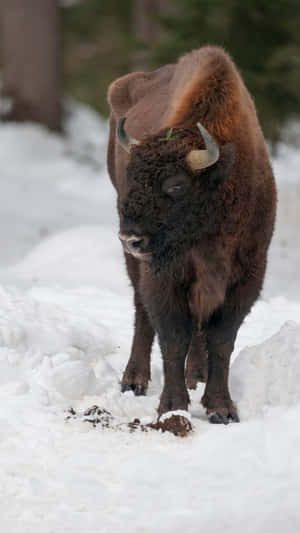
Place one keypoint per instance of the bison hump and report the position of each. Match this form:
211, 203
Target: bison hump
207, 87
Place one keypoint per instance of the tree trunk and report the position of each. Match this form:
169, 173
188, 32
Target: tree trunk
31, 78
146, 28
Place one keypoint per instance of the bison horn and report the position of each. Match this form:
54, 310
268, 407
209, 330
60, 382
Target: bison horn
124, 139
197, 159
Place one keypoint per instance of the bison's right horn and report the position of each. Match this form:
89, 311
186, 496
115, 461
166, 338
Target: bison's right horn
198, 159
124, 139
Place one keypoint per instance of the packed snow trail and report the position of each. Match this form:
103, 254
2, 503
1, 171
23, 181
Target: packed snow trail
65, 333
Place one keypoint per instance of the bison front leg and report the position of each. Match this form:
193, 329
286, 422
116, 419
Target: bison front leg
137, 372
173, 324
174, 333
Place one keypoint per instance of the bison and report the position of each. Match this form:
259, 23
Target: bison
196, 202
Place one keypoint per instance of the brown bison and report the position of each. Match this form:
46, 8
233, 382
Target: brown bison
196, 200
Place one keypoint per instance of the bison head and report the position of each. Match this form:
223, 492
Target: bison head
174, 192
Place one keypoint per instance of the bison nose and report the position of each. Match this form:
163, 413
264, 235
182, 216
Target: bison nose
134, 244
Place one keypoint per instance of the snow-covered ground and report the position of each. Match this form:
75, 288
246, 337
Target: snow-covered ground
65, 332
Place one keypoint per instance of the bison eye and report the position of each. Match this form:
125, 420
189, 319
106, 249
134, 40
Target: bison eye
176, 190
176, 186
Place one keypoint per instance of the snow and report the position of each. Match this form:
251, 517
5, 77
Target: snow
66, 320
256, 369
178, 412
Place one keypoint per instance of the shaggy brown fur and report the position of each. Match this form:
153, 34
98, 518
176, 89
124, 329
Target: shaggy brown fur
209, 244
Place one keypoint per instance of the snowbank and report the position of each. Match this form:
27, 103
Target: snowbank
43, 347
268, 375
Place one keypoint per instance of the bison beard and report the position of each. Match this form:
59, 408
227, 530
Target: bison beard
199, 214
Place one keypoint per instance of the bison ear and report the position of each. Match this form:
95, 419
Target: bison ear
125, 92
218, 173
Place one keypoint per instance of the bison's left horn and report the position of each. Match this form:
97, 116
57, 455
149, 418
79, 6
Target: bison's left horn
197, 159
124, 139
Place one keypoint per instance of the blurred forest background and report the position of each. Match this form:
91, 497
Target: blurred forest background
51, 48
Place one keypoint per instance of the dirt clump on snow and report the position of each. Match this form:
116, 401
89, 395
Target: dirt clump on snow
177, 424
101, 417
96, 416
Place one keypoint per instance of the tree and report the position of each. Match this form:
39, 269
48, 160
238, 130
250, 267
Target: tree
31, 77
147, 29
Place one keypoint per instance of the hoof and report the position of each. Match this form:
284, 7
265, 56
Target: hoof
175, 422
138, 390
218, 418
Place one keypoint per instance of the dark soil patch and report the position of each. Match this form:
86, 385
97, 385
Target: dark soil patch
176, 424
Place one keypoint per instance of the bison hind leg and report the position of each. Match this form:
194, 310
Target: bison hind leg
196, 368
137, 375
220, 411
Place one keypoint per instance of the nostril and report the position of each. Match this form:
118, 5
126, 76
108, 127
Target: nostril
134, 243
137, 243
